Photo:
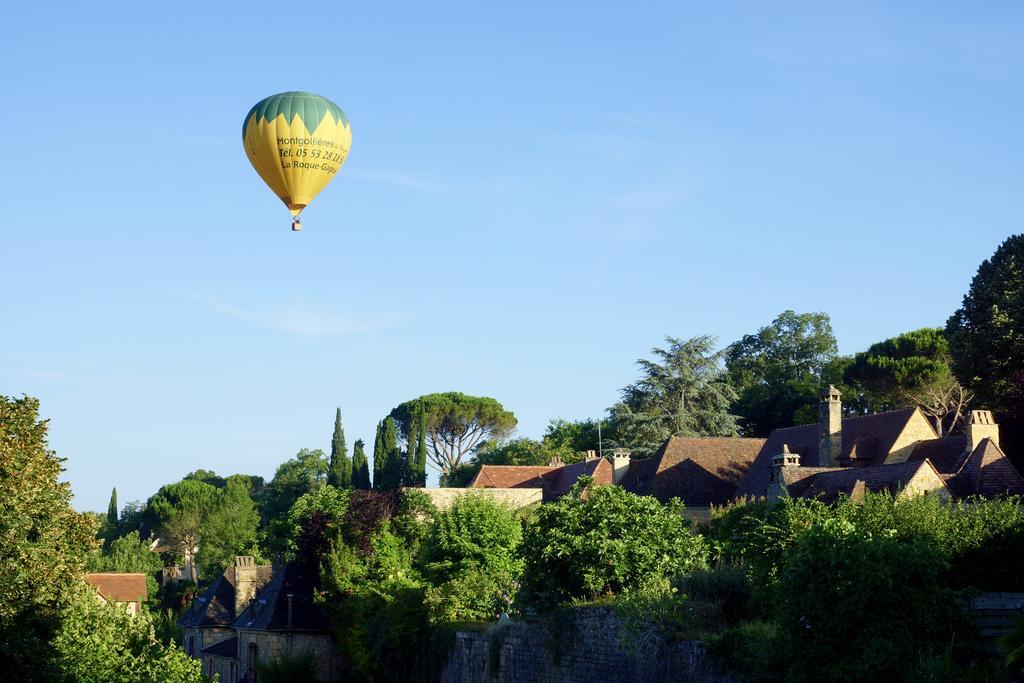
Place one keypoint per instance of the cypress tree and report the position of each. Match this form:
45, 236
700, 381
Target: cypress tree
112, 510
378, 458
391, 466
339, 473
360, 468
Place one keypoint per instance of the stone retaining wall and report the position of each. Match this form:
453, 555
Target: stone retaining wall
582, 649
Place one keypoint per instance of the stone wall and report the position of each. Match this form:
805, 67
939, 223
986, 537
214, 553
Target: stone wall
582, 648
516, 498
273, 644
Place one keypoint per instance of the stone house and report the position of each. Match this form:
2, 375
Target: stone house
253, 613
897, 451
125, 589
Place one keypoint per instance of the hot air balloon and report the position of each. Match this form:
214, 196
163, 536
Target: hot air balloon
296, 141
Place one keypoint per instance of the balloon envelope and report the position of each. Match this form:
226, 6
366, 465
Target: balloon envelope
296, 141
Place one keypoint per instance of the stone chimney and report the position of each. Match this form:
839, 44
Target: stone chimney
830, 427
620, 464
980, 425
591, 455
556, 462
777, 479
245, 582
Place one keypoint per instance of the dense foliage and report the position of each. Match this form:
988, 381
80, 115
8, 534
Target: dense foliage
44, 542
339, 470
601, 539
779, 370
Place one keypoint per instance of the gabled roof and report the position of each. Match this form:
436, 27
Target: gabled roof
222, 648
270, 612
948, 454
559, 480
987, 472
827, 483
216, 606
874, 433
119, 587
700, 471
510, 477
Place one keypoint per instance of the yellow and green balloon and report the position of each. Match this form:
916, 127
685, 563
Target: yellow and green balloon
296, 141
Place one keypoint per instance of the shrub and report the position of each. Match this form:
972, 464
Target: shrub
296, 668
752, 649
726, 586
475, 533
473, 595
859, 606
603, 539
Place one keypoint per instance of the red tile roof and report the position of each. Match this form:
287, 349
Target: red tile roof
116, 587
510, 477
560, 480
699, 471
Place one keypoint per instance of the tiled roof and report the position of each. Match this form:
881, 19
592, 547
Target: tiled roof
216, 606
559, 480
699, 471
988, 472
118, 587
947, 454
877, 432
827, 483
222, 648
510, 477
269, 611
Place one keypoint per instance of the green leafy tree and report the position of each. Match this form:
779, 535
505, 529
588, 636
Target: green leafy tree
180, 510
985, 339
360, 467
579, 436
228, 529
207, 477
44, 541
339, 471
682, 393
912, 369
603, 539
128, 554
779, 370
102, 643
470, 556
112, 510
456, 425
304, 473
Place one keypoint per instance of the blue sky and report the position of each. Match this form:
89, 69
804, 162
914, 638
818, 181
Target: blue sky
536, 194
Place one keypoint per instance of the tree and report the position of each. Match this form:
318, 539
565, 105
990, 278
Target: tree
455, 425
99, 642
912, 369
228, 529
779, 370
44, 541
129, 554
389, 470
360, 467
603, 539
339, 472
112, 510
304, 473
579, 436
180, 510
985, 339
417, 457
682, 393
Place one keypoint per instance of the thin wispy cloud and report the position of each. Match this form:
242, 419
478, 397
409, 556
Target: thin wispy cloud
297, 321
